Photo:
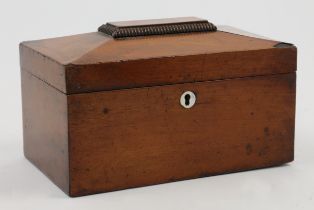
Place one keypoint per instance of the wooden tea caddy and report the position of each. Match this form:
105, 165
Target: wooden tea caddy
147, 102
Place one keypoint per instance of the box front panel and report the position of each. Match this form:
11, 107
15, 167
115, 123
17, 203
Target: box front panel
143, 136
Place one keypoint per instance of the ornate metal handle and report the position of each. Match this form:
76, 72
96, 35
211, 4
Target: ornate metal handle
126, 29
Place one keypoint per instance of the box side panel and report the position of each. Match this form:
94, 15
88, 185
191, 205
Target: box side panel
130, 138
45, 129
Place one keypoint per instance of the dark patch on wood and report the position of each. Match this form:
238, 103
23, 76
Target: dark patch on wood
105, 110
263, 151
172, 179
266, 131
248, 149
204, 174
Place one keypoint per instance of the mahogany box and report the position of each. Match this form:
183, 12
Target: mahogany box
139, 103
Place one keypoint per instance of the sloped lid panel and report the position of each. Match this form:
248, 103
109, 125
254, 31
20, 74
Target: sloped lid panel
96, 62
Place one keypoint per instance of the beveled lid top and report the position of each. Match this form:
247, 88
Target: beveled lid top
95, 61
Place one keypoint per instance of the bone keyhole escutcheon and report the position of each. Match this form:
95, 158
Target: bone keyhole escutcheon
188, 99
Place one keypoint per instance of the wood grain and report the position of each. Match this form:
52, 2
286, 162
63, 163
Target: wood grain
130, 138
101, 114
95, 62
174, 70
45, 129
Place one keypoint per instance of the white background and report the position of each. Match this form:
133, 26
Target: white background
287, 187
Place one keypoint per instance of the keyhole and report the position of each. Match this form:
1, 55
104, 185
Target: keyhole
187, 99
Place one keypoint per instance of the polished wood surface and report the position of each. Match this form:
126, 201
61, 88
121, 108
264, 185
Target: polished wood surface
95, 62
101, 114
81, 49
174, 70
131, 138
45, 129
